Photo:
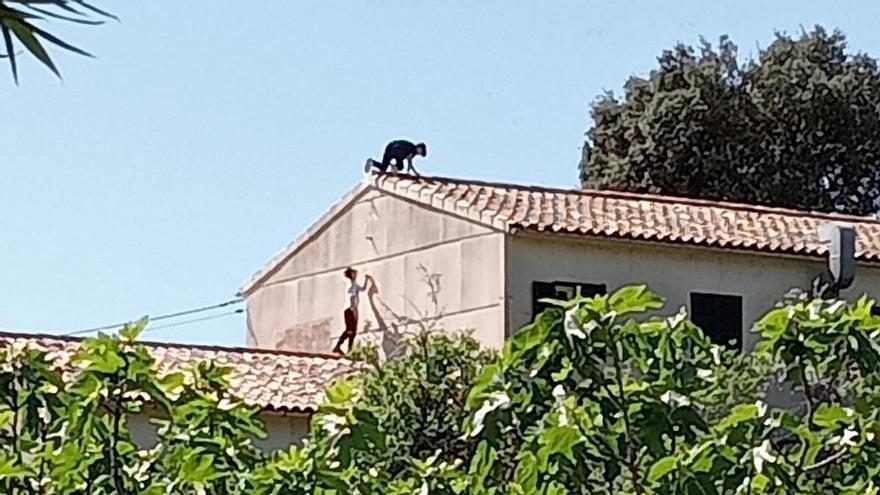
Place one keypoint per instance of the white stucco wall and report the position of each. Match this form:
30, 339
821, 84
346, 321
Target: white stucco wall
299, 307
282, 430
671, 271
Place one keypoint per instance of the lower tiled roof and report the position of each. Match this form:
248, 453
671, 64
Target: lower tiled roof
632, 216
279, 381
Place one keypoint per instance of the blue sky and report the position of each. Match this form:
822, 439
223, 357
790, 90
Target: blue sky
201, 141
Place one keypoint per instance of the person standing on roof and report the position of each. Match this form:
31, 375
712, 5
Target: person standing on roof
350, 313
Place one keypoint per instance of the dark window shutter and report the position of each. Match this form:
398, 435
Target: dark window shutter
719, 316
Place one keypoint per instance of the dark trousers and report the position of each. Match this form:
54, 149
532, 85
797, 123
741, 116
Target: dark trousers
350, 332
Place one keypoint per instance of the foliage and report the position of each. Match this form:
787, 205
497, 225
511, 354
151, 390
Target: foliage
66, 435
396, 426
591, 398
20, 19
584, 400
76, 439
594, 401
206, 443
402, 419
598, 395
798, 127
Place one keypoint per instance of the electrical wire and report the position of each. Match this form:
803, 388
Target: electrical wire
195, 320
168, 316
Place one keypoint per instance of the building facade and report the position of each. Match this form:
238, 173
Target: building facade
459, 254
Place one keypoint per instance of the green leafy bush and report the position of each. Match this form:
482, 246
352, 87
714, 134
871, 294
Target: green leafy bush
598, 395
71, 436
595, 398
402, 419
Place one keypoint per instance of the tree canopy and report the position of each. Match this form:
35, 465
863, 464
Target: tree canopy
798, 126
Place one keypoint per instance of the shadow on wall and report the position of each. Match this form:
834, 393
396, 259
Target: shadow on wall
311, 336
425, 320
387, 330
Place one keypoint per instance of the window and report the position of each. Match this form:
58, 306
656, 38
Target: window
560, 290
719, 316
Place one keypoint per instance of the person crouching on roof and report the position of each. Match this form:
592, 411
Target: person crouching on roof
350, 314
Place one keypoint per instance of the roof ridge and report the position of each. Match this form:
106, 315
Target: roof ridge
177, 345
659, 198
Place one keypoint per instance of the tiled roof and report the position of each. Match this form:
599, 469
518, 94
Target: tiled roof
633, 216
279, 381
608, 214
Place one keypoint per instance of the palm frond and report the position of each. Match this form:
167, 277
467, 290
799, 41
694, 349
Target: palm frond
18, 25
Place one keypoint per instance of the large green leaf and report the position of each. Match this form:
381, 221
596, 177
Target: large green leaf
662, 467
559, 440
10, 469
774, 324
634, 299
527, 473
829, 416
739, 414
341, 392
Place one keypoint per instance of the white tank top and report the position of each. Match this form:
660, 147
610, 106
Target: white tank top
353, 295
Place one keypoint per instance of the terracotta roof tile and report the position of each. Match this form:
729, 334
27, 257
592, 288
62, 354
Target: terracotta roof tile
636, 216
273, 380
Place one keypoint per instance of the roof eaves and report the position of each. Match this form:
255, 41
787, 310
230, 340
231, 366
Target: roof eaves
744, 247
13, 335
285, 410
